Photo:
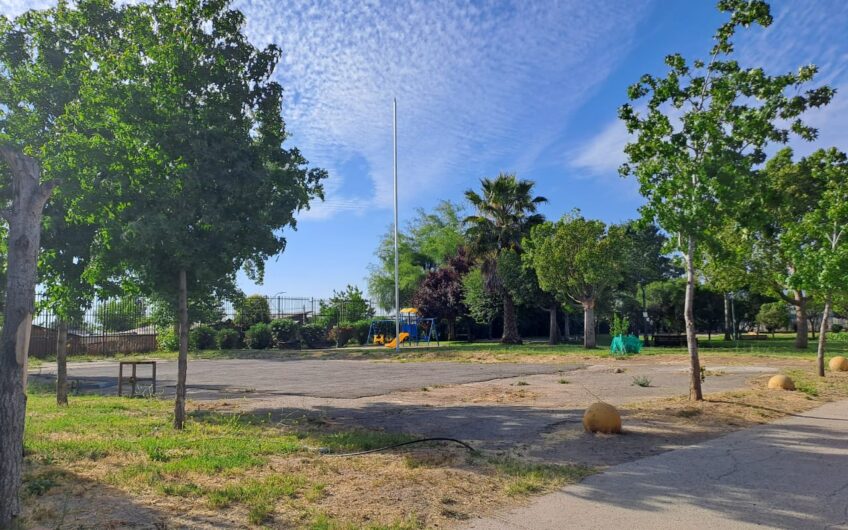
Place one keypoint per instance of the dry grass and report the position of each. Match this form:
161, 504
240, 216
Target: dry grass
113, 462
727, 411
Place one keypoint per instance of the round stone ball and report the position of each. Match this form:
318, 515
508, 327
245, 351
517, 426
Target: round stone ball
781, 382
838, 364
602, 417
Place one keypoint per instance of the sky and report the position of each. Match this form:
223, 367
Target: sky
484, 87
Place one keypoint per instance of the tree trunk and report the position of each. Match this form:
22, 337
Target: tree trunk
24, 239
510, 322
553, 332
823, 337
728, 322
62, 362
566, 327
182, 359
695, 393
452, 328
801, 323
644, 313
589, 340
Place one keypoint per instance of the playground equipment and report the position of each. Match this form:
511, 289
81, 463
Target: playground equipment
413, 328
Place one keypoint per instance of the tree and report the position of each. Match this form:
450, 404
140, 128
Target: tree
45, 59
349, 305
704, 129
438, 235
427, 242
253, 310
120, 314
520, 281
441, 293
818, 243
578, 259
505, 213
483, 304
773, 316
203, 181
645, 261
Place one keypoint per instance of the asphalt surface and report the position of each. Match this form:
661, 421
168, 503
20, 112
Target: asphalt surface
211, 379
789, 474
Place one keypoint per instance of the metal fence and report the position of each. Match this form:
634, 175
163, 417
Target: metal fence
106, 328
126, 325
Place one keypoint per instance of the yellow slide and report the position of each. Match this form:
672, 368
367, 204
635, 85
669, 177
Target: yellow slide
403, 336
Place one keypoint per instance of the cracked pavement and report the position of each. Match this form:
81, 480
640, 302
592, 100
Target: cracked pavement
792, 473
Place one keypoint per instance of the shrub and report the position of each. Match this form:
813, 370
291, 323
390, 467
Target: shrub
202, 338
227, 338
837, 328
341, 334
284, 331
314, 335
253, 310
167, 339
360, 330
642, 381
841, 336
773, 316
258, 336
620, 325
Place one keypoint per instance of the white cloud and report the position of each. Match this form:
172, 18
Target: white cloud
481, 84
603, 154
476, 84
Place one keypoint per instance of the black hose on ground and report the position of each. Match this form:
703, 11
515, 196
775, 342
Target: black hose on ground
393, 446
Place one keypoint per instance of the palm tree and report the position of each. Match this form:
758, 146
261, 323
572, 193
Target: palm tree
504, 214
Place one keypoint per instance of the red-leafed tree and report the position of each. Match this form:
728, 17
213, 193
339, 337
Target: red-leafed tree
440, 294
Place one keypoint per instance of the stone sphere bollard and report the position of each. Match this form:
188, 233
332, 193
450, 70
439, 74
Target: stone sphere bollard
781, 382
838, 364
602, 417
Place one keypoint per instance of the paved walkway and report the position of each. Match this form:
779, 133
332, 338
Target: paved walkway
311, 378
789, 474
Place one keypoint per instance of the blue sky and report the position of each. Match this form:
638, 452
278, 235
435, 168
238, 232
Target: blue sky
483, 87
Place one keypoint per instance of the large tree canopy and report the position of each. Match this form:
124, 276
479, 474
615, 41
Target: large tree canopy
47, 59
700, 131
578, 259
201, 184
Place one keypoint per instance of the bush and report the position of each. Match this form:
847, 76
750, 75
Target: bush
837, 328
314, 335
284, 331
202, 338
227, 338
258, 336
360, 330
167, 339
253, 310
841, 336
341, 334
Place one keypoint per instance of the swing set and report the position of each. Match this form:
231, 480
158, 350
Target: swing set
413, 329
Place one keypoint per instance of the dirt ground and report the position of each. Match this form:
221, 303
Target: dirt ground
534, 418
524, 415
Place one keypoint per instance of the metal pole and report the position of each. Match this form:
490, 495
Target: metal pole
397, 282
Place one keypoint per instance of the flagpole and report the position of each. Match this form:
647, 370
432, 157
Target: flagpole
397, 282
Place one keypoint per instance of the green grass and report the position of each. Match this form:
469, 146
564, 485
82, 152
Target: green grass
526, 478
224, 461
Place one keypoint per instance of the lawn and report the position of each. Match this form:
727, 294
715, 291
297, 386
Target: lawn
243, 469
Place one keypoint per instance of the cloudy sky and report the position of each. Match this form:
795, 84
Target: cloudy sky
483, 87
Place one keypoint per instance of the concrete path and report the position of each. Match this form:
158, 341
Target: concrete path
312, 378
789, 474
